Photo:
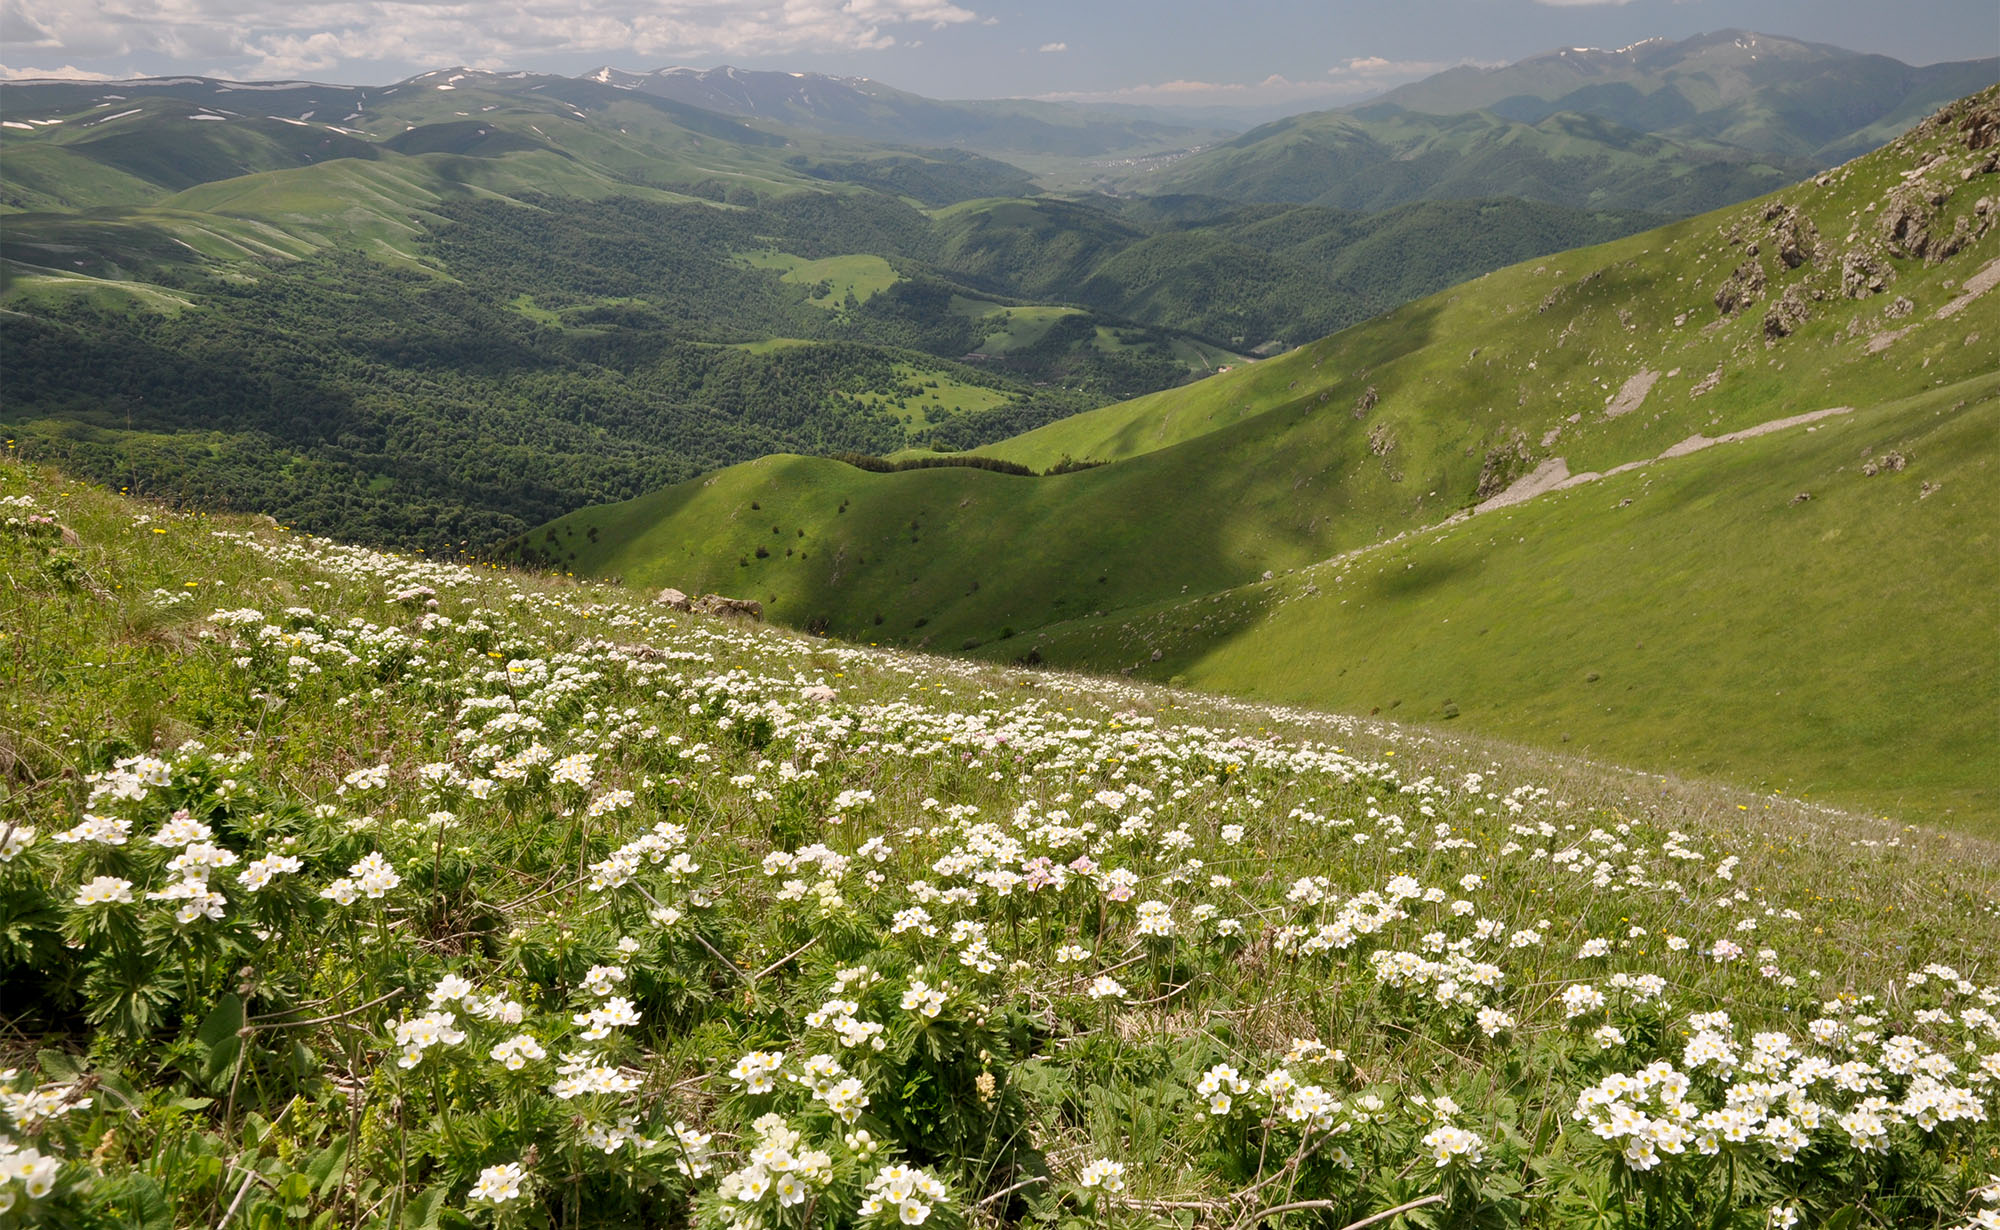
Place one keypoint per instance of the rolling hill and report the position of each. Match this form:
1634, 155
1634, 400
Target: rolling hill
356, 308
1862, 291
1377, 157
1677, 127
862, 109
1761, 92
644, 289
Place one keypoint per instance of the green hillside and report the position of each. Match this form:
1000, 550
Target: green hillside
1376, 157
348, 888
1250, 274
1695, 616
357, 308
560, 288
1576, 364
1762, 92
584, 289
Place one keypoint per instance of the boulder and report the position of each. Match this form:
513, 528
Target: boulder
1905, 221
1790, 311
1861, 274
674, 598
735, 608
1796, 237
1744, 287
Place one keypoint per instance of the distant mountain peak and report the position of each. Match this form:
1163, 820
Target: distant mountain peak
1767, 93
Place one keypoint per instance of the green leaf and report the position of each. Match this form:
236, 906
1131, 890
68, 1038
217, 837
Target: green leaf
1842, 1219
295, 1193
58, 1065
422, 1213
219, 1035
329, 1168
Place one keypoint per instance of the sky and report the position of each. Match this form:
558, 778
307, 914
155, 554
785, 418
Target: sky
1161, 52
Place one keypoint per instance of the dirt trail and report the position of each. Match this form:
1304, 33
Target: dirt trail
1554, 475
1695, 443
1973, 287
1545, 478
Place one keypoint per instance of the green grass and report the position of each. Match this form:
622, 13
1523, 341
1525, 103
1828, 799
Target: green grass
27, 289
770, 345
1687, 616
1010, 328
1388, 428
858, 274
1410, 928
933, 405
43, 176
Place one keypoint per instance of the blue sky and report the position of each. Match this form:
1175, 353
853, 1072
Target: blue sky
1159, 51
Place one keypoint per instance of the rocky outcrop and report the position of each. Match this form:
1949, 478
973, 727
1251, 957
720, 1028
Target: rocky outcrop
737, 608
671, 597
1503, 465
1744, 287
1863, 273
1981, 126
1792, 309
1793, 236
1905, 222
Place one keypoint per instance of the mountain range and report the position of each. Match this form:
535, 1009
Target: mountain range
1776, 96
345, 305
454, 311
1675, 126
867, 110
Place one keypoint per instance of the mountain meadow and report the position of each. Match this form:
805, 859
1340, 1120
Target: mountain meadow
1409, 529
353, 889
748, 650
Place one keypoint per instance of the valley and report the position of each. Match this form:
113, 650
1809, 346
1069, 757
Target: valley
1303, 628
1600, 359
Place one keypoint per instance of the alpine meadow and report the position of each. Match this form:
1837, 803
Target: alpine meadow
1217, 644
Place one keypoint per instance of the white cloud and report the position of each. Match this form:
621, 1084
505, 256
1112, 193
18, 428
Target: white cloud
68, 72
1379, 73
1053, 47
276, 38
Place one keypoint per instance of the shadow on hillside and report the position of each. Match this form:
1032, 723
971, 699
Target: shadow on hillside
1208, 514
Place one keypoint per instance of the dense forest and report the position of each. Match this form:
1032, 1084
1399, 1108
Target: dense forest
571, 351
392, 406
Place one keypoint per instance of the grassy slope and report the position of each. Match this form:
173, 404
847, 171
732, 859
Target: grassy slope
1371, 161
1688, 616
1279, 465
859, 274
268, 186
109, 652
